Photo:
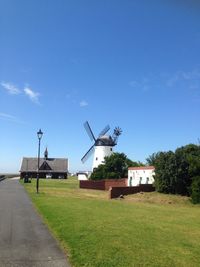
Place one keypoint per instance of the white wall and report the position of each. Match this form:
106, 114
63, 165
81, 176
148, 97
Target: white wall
140, 176
82, 176
100, 152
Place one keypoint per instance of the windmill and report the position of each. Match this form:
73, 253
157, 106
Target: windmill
103, 144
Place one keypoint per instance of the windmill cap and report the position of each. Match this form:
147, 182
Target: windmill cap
105, 140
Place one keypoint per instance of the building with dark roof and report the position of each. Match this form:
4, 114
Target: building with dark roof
56, 168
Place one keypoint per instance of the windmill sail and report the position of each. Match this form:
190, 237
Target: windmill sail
104, 131
89, 131
87, 154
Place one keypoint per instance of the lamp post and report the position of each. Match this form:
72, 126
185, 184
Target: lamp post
39, 134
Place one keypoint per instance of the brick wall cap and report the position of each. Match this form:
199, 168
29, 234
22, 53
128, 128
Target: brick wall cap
142, 168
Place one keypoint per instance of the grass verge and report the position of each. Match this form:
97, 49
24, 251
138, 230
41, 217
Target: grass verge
142, 230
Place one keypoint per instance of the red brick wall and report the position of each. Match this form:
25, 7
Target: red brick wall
117, 191
103, 184
99, 185
115, 183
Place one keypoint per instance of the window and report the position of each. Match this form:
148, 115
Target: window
140, 180
130, 181
147, 180
96, 158
111, 149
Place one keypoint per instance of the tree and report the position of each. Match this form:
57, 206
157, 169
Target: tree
151, 160
174, 171
98, 173
165, 172
183, 177
195, 190
115, 167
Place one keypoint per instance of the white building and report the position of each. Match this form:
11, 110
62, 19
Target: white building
84, 175
103, 145
101, 150
140, 175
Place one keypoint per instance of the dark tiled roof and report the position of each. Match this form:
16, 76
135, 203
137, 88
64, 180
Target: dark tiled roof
56, 164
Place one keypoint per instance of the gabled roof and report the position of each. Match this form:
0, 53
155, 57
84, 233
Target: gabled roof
45, 166
142, 168
50, 165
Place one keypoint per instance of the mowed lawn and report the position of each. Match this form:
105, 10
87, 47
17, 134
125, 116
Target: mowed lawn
148, 229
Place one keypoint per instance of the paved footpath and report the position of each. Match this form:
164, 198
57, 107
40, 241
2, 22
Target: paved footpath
24, 239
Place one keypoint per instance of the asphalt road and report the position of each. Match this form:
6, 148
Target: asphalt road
24, 239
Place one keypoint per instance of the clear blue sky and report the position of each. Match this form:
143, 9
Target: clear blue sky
133, 64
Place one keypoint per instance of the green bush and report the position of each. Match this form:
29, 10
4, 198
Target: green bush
195, 190
174, 170
115, 167
98, 173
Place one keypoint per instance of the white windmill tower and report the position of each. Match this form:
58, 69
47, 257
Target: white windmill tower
103, 145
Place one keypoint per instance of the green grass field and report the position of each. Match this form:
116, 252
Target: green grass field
148, 229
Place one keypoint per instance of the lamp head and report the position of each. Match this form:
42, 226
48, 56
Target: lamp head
39, 134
